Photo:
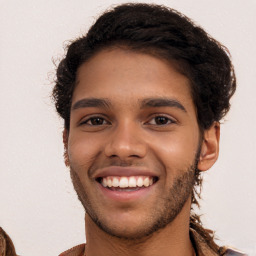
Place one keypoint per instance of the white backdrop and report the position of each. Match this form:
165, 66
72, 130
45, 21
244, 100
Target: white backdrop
38, 207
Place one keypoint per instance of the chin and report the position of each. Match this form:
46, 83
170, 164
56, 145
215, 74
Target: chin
127, 233
135, 228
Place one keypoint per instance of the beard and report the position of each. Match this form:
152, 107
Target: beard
172, 203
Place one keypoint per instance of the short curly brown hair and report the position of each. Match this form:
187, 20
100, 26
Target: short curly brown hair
164, 33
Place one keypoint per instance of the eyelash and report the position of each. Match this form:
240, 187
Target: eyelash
103, 121
168, 119
86, 122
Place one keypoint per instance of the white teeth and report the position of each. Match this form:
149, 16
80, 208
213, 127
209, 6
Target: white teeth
140, 182
132, 182
127, 182
115, 182
146, 182
123, 183
109, 182
104, 182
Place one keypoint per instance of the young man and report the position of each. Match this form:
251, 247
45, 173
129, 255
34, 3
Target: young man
141, 96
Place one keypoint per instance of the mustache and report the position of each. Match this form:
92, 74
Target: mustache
114, 163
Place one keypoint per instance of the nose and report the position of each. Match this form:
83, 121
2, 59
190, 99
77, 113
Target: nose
126, 142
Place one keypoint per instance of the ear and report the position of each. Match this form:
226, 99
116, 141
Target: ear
210, 147
65, 142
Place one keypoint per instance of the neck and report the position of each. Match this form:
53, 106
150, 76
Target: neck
170, 240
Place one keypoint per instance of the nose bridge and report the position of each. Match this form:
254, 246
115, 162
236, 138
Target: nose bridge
126, 141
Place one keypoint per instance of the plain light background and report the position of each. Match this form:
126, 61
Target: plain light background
38, 207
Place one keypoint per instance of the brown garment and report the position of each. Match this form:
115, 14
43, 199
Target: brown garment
6, 245
78, 250
201, 248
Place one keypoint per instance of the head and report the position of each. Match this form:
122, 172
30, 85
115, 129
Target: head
132, 53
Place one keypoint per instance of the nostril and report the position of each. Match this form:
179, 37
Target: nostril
125, 147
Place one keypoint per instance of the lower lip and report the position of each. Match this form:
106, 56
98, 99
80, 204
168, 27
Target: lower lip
124, 196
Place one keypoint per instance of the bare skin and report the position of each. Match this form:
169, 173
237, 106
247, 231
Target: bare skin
178, 242
133, 115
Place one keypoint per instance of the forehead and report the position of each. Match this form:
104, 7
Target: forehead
125, 76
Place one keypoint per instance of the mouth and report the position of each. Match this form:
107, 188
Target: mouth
127, 183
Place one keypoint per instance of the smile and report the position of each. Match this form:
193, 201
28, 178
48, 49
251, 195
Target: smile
117, 182
124, 189
125, 184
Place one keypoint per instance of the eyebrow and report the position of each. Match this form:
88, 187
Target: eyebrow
162, 102
91, 103
145, 103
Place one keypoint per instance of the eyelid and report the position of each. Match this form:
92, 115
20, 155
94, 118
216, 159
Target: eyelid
85, 119
171, 119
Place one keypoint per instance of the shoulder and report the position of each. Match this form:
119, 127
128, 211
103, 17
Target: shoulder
204, 247
234, 252
74, 251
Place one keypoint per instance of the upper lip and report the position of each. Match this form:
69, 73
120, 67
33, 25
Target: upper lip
122, 171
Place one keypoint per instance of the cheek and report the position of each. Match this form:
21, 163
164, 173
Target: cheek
82, 150
176, 151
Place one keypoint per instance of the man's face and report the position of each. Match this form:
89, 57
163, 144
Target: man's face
133, 142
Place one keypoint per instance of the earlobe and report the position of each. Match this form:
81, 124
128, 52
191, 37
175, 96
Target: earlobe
65, 142
209, 148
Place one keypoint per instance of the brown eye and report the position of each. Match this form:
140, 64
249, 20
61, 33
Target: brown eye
97, 121
161, 120
94, 121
